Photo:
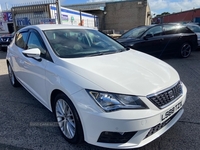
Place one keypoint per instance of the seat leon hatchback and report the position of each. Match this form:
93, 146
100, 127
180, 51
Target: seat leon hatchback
98, 91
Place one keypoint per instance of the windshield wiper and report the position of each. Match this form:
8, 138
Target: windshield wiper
95, 54
108, 52
124, 49
101, 53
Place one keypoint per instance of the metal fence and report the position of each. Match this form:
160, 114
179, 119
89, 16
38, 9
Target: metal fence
34, 13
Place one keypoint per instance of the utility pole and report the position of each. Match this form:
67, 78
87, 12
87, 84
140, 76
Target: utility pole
6, 6
58, 11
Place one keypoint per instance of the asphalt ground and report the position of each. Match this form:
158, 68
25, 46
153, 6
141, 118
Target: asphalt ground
25, 124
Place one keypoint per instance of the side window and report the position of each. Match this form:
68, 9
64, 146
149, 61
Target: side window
155, 31
20, 40
184, 30
170, 29
35, 42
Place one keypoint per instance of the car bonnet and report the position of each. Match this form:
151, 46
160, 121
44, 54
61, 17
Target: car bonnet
129, 72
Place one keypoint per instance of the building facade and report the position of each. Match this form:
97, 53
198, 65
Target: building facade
192, 15
6, 22
118, 16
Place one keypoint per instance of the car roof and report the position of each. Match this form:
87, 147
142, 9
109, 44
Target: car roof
152, 25
192, 24
56, 26
147, 26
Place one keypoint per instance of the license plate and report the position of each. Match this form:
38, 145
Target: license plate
4, 45
171, 111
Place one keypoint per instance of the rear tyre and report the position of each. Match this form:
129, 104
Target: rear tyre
68, 119
12, 77
185, 50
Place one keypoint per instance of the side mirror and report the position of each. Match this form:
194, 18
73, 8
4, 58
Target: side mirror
33, 53
148, 36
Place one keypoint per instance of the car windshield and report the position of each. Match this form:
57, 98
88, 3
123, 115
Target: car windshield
135, 33
72, 43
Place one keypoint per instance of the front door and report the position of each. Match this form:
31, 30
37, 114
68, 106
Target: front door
35, 70
152, 42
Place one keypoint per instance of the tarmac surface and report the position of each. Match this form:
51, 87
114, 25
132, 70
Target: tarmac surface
21, 115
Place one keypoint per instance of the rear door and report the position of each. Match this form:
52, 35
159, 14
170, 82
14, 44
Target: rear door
32, 72
172, 37
176, 36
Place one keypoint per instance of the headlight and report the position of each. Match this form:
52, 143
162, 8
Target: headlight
111, 102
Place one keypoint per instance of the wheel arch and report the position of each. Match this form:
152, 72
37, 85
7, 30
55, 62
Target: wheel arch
191, 44
183, 44
7, 62
54, 93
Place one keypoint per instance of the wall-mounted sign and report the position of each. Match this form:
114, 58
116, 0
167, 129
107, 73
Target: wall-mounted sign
23, 21
48, 21
7, 16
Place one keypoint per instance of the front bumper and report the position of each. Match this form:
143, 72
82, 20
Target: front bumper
4, 45
144, 125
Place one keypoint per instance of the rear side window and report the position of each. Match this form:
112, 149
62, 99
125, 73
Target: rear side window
175, 29
20, 39
170, 29
184, 30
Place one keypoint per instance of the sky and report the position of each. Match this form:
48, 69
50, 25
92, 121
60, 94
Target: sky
156, 6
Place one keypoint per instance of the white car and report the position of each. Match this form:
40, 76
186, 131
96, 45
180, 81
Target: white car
99, 91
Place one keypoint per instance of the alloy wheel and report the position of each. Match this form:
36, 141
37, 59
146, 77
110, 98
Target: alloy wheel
186, 50
65, 118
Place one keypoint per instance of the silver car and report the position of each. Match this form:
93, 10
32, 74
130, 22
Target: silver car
196, 29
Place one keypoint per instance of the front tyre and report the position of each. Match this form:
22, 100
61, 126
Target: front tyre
185, 50
68, 119
12, 77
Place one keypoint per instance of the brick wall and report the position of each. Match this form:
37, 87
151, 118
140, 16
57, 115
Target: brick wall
124, 15
119, 16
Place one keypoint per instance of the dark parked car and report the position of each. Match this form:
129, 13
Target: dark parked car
162, 39
5, 40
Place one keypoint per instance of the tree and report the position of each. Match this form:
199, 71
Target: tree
165, 13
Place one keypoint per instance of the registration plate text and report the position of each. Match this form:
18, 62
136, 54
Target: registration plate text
171, 111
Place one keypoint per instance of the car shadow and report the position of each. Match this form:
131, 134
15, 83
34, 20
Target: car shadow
24, 117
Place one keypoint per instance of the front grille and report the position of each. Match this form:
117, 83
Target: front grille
164, 98
4, 39
160, 126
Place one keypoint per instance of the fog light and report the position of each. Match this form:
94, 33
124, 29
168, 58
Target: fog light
115, 137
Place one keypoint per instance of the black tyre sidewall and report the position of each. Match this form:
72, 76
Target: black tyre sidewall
180, 53
16, 83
